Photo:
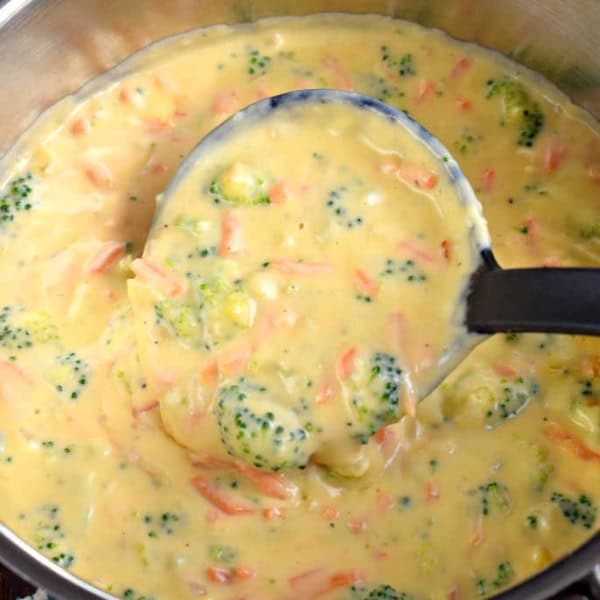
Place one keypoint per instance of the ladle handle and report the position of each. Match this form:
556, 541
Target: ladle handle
546, 300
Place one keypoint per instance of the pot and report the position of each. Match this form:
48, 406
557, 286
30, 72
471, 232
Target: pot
49, 48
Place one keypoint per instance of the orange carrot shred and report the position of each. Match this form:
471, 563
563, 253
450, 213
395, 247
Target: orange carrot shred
555, 432
365, 283
106, 258
225, 504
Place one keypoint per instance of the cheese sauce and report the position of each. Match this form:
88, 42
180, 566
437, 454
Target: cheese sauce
270, 294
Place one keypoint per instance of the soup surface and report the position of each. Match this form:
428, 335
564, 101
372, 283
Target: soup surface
265, 293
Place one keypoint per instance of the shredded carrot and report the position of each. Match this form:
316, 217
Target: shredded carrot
272, 513
460, 66
326, 391
219, 500
488, 177
554, 153
99, 175
345, 363
138, 410
417, 250
431, 491
446, 249
463, 104
341, 77
318, 582
219, 574
357, 525
343, 579
385, 500
233, 361
231, 234
504, 369
293, 267
279, 193
365, 283
154, 275
209, 373
331, 512
244, 573
418, 177
275, 485
569, 441
80, 127
158, 168
106, 258
426, 88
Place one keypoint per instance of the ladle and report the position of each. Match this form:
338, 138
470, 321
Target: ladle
550, 300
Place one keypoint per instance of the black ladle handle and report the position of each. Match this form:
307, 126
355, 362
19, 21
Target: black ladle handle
546, 300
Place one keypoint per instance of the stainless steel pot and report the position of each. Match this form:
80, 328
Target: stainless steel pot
49, 48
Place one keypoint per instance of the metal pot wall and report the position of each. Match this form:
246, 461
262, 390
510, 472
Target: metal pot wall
49, 48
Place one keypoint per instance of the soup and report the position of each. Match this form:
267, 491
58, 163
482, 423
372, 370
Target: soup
106, 465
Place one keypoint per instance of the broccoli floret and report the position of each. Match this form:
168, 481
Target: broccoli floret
131, 594
179, 319
15, 198
504, 575
336, 204
406, 270
580, 511
517, 108
70, 375
239, 185
258, 63
20, 329
493, 494
510, 400
161, 524
404, 65
377, 401
380, 592
49, 536
255, 428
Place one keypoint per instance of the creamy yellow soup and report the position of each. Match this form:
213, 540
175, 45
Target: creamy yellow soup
301, 286
112, 358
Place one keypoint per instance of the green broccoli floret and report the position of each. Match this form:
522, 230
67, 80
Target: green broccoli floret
70, 375
493, 494
258, 63
510, 401
404, 65
20, 329
179, 319
131, 594
49, 536
580, 511
377, 401
255, 428
239, 185
504, 575
518, 108
15, 198
379, 592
